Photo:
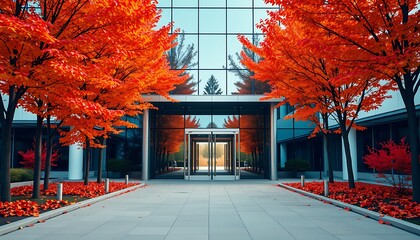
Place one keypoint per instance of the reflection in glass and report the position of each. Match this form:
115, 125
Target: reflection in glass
168, 149
198, 121
244, 82
252, 146
212, 21
182, 56
192, 122
239, 21
230, 121
219, 75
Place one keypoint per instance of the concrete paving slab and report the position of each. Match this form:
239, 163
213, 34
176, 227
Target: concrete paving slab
206, 210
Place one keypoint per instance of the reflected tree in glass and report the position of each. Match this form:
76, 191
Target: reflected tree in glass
212, 87
252, 138
170, 138
182, 56
247, 85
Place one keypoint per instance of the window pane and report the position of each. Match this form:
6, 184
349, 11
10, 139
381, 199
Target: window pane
234, 47
185, 3
260, 3
239, 21
186, 44
212, 20
219, 75
164, 3
164, 19
189, 86
212, 3
239, 3
212, 52
186, 20
234, 80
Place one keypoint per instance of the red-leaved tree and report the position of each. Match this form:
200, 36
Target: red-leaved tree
394, 158
28, 157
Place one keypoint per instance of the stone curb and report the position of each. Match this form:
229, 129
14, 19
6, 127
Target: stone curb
407, 226
56, 212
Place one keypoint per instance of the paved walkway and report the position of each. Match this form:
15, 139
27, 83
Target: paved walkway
241, 210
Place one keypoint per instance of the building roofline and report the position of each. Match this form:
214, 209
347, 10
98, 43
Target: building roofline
210, 98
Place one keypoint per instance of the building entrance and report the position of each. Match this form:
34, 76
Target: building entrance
212, 154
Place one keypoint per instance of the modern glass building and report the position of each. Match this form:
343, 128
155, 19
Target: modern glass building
218, 128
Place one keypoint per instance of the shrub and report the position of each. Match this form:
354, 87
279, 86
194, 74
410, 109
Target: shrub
297, 165
116, 165
394, 158
21, 175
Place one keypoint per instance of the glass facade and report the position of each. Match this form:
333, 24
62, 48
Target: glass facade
169, 123
211, 27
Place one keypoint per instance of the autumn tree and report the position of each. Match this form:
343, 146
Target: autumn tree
212, 86
300, 65
247, 85
182, 56
82, 55
381, 35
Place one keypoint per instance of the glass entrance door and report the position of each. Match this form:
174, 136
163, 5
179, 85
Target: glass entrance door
211, 154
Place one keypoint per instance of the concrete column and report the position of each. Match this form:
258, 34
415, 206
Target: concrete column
145, 161
273, 141
283, 154
75, 162
353, 153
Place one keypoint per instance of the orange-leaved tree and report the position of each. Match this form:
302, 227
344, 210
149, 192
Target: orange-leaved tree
382, 35
24, 35
301, 66
120, 68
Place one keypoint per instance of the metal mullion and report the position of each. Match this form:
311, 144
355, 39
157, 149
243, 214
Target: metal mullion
226, 48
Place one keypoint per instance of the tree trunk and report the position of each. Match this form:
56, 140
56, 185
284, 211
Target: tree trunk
87, 162
345, 137
100, 160
414, 148
38, 157
5, 156
47, 169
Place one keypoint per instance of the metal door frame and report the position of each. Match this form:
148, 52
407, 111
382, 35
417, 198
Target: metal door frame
211, 132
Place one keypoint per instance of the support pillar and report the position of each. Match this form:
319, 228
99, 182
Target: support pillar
273, 142
353, 153
75, 162
145, 157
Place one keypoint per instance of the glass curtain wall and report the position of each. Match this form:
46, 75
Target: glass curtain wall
168, 128
208, 31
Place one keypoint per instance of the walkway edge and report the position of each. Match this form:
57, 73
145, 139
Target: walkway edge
56, 212
407, 226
